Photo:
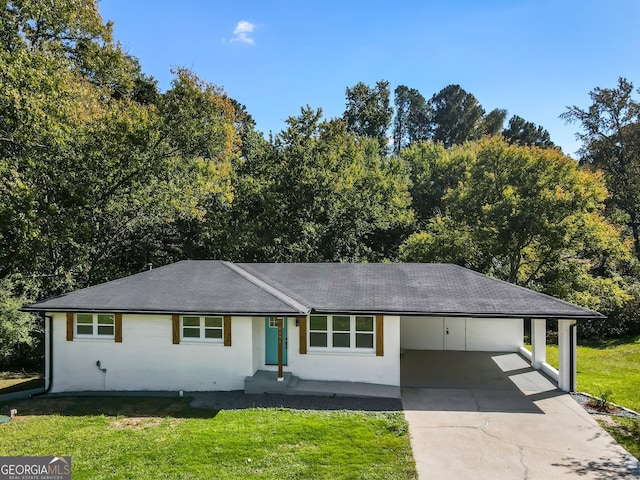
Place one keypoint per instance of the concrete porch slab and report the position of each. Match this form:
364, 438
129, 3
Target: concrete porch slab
267, 382
344, 389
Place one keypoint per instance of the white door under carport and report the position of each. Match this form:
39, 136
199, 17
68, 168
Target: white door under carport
461, 333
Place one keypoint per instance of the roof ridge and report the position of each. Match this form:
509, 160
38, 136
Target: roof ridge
271, 290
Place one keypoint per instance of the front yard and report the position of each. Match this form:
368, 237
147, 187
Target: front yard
125, 437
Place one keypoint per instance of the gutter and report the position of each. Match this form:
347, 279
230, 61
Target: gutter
312, 311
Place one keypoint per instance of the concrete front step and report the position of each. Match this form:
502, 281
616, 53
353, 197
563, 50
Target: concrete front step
267, 382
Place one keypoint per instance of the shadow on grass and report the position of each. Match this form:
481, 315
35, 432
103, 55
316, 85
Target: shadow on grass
193, 405
626, 431
238, 400
609, 342
30, 384
110, 406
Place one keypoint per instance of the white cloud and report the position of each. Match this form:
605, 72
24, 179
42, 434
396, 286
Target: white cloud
242, 32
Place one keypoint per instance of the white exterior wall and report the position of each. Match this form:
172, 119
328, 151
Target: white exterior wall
482, 334
148, 360
344, 367
422, 333
495, 334
258, 346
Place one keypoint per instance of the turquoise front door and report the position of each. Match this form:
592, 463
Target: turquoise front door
271, 339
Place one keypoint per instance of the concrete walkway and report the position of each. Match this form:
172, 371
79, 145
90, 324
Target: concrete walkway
490, 416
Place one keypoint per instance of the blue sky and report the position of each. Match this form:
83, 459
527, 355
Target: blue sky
532, 58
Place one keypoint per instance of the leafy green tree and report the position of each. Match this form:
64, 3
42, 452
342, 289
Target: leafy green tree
64, 28
368, 111
491, 124
522, 132
411, 121
16, 327
319, 193
455, 116
528, 216
94, 163
611, 142
434, 171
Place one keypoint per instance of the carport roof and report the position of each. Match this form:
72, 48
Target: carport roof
213, 286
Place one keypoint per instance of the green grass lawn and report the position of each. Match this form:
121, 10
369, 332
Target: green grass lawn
165, 438
607, 365
12, 382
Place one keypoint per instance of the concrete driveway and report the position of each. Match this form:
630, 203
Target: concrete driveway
478, 415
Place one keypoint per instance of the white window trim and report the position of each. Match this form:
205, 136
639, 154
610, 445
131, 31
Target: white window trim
273, 322
352, 336
95, 335
202, 338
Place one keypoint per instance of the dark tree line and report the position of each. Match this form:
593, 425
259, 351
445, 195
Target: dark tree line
451, 116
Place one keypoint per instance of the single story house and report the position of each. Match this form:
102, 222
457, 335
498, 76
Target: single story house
206, 325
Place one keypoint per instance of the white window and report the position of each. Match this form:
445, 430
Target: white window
207, 329
273, 322
342, 332
95, 325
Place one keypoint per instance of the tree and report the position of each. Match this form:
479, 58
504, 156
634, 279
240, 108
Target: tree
491, 124
319, 193
16, 327
411, 122
368, 111
523, 133
528, 216
95, 165
455, 116
611, 142
434, 171
62, 28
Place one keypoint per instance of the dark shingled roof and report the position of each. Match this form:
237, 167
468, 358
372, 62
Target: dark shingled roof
211, 286
182, 287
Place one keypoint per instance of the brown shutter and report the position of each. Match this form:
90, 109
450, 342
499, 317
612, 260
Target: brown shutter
118, 329
227, 331
69, 327
303, 335
175, 324
379, 335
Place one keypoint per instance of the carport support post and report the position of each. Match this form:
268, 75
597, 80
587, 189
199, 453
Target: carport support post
538, 342
567, 356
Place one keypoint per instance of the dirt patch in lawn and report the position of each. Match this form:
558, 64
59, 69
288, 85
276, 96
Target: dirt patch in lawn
138, 423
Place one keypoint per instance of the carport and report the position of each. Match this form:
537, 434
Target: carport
487, 415
474, 331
